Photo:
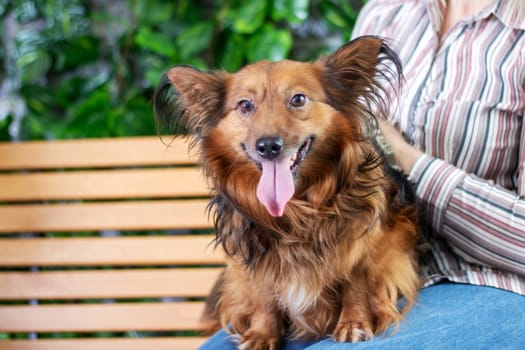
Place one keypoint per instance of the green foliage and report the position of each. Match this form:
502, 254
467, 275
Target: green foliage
79, 68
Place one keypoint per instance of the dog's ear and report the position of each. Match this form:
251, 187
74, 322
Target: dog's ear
357, 74
190, 98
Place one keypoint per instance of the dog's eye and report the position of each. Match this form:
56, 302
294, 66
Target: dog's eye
298, 100
246, 107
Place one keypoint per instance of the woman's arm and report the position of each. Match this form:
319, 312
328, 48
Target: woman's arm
484, 223
404, 154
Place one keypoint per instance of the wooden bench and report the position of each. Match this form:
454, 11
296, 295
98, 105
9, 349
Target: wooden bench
104, 244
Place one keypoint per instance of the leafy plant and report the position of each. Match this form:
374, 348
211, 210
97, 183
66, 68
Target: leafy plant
87, 68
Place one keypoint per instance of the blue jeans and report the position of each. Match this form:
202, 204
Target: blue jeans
447, 316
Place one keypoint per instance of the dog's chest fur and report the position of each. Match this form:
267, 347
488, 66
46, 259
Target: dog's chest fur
307, 294
303, 269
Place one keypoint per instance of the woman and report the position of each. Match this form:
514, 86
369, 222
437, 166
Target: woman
461, 115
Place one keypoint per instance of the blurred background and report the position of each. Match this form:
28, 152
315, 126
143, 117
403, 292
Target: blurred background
88, 68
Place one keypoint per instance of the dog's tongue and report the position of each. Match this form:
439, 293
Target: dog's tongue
276, 185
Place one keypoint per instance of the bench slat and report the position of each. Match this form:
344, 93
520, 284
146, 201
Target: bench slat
101, 177
86, 153
107, 184
116, 317
157, 343
147, 283
144, 215
117, 251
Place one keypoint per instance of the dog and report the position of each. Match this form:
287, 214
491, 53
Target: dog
317, 242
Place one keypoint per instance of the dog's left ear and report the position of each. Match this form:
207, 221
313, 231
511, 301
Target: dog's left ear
190, 98
358, 73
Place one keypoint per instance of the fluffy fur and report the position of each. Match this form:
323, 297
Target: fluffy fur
341, 254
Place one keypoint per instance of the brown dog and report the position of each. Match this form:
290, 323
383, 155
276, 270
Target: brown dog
317, 244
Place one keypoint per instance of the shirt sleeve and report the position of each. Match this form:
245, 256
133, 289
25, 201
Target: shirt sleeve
482, 222
368, 21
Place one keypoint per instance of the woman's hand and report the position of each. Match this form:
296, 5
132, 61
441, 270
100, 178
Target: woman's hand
404, 154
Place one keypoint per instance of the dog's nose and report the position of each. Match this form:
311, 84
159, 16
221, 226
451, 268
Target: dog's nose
269, 147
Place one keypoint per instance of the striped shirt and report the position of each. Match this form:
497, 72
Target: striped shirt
463, 103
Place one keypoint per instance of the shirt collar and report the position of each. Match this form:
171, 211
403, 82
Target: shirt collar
436, 10
510, 12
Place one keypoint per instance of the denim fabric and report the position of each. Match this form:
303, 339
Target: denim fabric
447, 316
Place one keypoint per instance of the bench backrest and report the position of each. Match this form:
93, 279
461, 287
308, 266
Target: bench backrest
104, 244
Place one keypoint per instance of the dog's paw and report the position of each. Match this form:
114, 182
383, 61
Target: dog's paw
255, 341
352, 332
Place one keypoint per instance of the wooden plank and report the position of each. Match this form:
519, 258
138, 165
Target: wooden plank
157, 343
117, 251
147, 283
116, 317
107, 184
87, 153
140, 215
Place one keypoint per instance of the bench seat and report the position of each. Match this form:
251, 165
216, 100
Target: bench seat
104, 244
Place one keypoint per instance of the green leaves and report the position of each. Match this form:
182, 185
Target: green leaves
157, 42
339, 13
152, 12
232, 55
269, 43
32, 60
256, 30
194, 40
249, 16
89, 69
294, 11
